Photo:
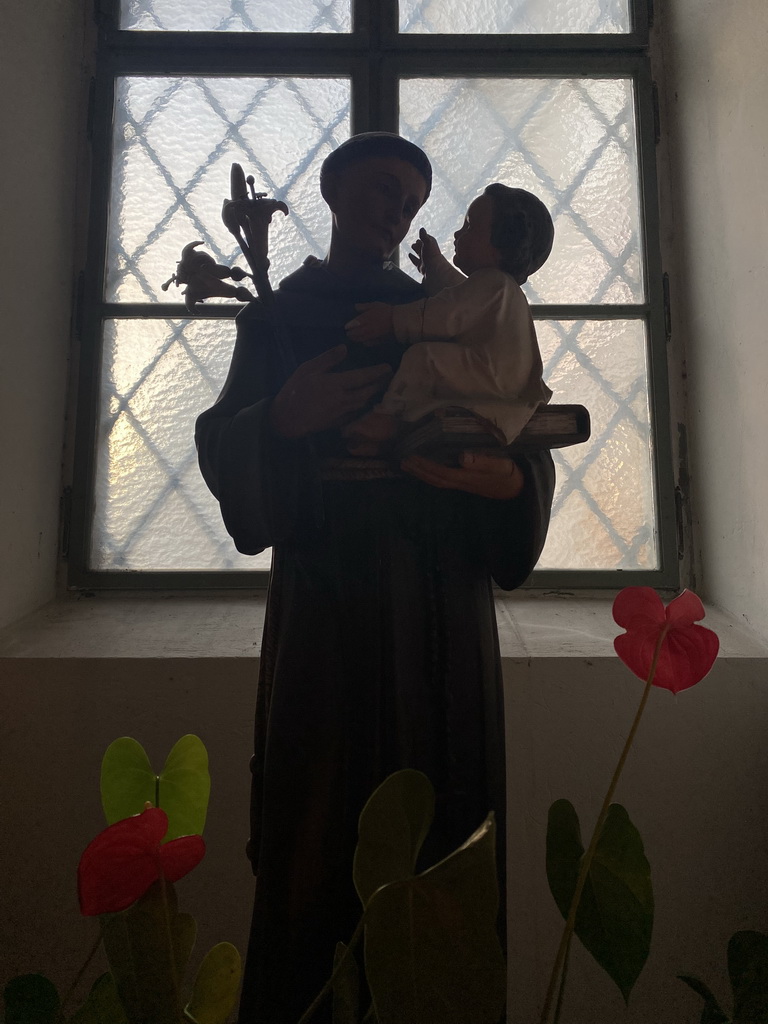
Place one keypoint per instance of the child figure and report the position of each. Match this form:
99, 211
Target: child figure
473, 343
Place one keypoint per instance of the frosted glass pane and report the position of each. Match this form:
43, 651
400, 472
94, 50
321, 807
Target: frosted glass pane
236, 15
603, 512
153, 510
570, 141
519, 16
174, 142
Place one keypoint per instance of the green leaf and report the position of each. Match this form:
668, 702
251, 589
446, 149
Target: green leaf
103, 1004
185, 786
216, 986
615, 916
711, 1014
432, 954
127, 780
748, 971
392, 828
182, 788
30, 999
147, 973
346, 988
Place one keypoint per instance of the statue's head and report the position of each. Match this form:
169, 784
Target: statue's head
522, 230
374, 184
374, 144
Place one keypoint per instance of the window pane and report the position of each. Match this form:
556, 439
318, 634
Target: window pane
603, 512
570, 141
518, 16
236, 15
153, 510
174, 142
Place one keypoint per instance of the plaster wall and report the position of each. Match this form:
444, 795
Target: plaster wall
40, 86
692, 786
716, 80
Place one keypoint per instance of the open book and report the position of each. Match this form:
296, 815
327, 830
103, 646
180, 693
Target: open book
443, 438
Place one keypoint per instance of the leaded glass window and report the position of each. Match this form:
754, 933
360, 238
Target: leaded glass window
550, 96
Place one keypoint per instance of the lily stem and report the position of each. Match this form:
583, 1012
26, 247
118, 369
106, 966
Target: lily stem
586, 861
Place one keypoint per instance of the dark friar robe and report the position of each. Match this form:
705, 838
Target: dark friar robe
380, 649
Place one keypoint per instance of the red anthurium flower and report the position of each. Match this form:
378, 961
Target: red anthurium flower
687, 651
123, 861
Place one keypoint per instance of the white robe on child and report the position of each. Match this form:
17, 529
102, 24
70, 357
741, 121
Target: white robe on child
491, 365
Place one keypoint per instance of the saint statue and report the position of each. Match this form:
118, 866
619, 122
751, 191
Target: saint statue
380, 648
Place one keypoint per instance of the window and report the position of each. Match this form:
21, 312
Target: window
552, 95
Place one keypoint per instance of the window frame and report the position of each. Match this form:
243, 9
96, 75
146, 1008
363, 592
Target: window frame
374, 56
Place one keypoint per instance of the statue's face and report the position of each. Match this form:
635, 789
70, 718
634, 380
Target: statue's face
373, 203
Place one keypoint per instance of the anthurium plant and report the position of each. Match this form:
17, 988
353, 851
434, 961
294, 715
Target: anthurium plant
431, 949
431, 955
125, 879
748, 975
604, 892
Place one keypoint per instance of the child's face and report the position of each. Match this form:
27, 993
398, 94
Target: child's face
472, 242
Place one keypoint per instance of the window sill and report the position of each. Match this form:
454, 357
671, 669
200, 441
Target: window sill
229, 627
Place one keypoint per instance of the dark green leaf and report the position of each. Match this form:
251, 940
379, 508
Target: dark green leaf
30, 999
146, 972
748, 971
564, 853
103, 1004
346, 988
432, 953
182, 788
393, 825
615, 916
216, 986
712, 1014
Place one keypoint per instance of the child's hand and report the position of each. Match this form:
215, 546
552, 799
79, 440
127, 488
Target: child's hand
426, 248
373, 324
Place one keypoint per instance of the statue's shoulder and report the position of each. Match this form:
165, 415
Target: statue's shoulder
254, 312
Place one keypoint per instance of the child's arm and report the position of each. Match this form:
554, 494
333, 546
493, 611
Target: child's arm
428, 260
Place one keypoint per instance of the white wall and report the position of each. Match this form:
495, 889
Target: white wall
40, 80
716, 101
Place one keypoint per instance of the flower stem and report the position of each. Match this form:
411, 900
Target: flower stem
563, 976
586, 861
169, 937
310, 1010
70, 991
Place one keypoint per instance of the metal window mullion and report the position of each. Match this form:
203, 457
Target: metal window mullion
224, 311
531, 44
89, 374
220, 62
567, 64
664, 477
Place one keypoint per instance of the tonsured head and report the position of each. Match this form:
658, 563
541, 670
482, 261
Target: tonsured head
375, 144
374, 185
